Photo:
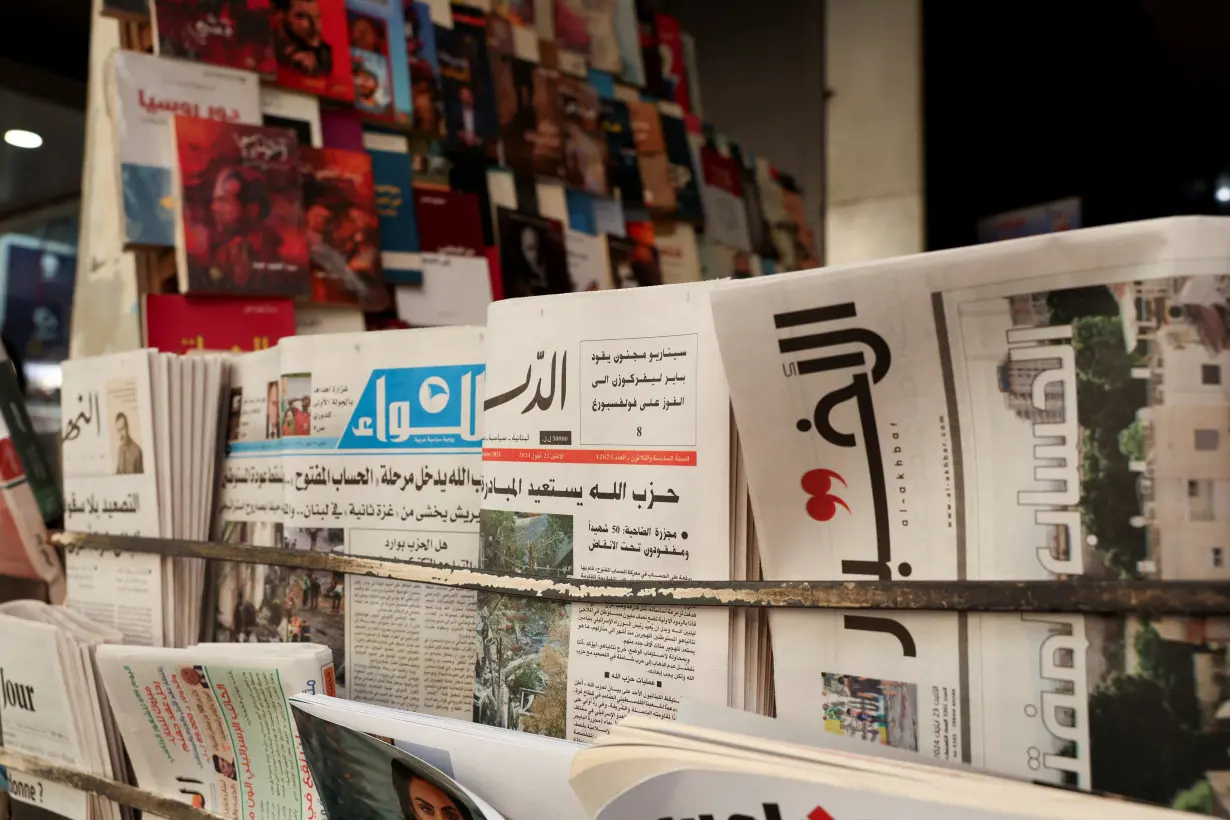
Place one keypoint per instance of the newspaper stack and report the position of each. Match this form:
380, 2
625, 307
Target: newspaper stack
365, 444
609, 453
1045, 408
53, 708
139, 450
651, 768
371, 763
210, 725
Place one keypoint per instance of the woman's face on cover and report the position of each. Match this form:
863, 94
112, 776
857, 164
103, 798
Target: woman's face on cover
429, 803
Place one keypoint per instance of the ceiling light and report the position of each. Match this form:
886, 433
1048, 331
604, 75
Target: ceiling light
28, 139
1222, 194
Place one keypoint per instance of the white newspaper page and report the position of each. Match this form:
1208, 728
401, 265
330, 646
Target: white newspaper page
607, 456
111, 486
382, 443
36, 715
1045, 408
250, 599
219, 736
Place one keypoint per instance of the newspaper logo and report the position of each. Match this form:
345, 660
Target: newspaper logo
833, 347
413, 407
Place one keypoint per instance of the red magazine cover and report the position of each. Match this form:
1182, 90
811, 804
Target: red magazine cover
313, 47
449, 222
232, 33
240, 226
179, 324
674, 71
339, 199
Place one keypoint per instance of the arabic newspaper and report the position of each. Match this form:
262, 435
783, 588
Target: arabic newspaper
212, 727
382, 441
111, 486
1043, 408
607, 455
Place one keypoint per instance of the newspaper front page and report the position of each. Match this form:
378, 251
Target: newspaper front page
607, 456
381, 439
1046, 408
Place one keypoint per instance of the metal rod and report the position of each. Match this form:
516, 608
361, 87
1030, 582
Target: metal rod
96, 784
1079, 596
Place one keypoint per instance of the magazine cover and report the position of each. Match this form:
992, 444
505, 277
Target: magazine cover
572, 37
674, 87
147, 93
426, 100
723, 190
1033, 409
603, 43
312, 47
684, 174
240, 228
291, 109
623, 165
449, 222
585, 145
339, 201
366, 777
633, 264
179, 324
589, 262
651, 55
531, 121
232, 33
657, 182
804, 238
381, 448
628, 41
465, 74
399, 234
533, 259
377, 27
370, 66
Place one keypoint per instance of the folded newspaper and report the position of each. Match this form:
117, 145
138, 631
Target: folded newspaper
1045, 408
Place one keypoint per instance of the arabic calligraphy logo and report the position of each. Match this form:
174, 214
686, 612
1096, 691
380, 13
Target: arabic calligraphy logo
434, 395
822, 504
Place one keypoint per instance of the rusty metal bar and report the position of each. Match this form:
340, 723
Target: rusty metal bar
1080, 596
122, 793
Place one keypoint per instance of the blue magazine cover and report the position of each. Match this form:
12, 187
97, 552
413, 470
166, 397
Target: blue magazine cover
399, 233
377, 28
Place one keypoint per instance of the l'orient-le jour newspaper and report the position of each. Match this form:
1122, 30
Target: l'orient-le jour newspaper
606, 456
1045, 408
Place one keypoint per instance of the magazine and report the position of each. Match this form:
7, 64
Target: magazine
381, 439
210, 725
607, 455
1043, 408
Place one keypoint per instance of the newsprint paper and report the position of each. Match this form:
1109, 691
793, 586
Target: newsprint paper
1044, 408
607, 456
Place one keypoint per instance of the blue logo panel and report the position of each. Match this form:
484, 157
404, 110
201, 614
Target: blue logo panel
414, 408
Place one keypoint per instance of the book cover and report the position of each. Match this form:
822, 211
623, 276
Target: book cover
651, 57
378, 29
678, 253
628, 41
623, 164
449, 222
465, 77
633, 264
341, 128
147, 92
399, 233
533, 257
688, 43
232, 33
585, 145
589, 262
674, 81
312, 47
291, 109
180, 324
806, 255
656, 183
572, 39
603, 42
240, 228
37, 304
343, 238
683, 170
426, 100
531, 119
